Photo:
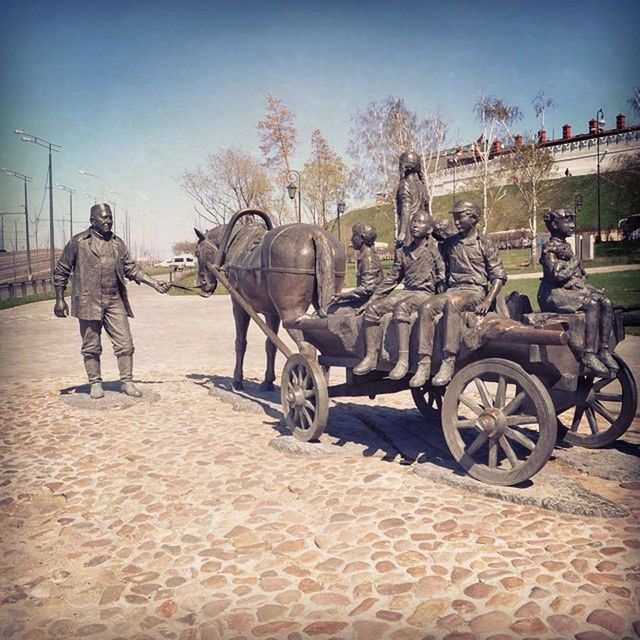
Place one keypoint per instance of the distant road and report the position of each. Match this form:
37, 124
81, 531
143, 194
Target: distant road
13, 265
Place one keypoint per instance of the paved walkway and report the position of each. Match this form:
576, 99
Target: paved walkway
180, 516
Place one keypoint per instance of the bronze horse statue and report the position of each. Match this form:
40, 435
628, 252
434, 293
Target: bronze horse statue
279, 271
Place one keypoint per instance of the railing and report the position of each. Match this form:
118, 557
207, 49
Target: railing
11, 290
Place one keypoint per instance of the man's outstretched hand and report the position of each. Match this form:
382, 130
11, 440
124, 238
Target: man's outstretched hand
61, 309
161, 286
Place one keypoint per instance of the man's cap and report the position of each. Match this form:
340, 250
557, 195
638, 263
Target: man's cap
460, 206
102, 206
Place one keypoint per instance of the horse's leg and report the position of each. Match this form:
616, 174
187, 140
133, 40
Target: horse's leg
241, 318
273, 322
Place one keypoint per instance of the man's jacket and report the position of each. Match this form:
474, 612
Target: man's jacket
80, 261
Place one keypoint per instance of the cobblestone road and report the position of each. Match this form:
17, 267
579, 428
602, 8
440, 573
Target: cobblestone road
173, 517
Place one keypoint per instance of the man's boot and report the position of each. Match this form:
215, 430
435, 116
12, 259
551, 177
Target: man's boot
594, 365
445, 373
372, 334
422, 374
92, 367
125, 366
608, 360
402, 366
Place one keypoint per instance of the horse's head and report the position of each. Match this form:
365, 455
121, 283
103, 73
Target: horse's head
207, 252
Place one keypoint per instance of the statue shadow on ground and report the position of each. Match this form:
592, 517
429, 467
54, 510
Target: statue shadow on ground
401, 435
396, 435
222, 387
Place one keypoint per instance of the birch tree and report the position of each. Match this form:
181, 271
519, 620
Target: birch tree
378, 135
495, 117
528, 167
432, 135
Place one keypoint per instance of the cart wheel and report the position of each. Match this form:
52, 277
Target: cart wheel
305, 398
428, 400
499, 421
604, 409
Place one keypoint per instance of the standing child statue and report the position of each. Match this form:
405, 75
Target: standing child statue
420, 267
369, 274
98, 262
411, 195
563, 289
475, 276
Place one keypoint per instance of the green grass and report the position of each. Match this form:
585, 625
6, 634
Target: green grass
157, 271
623, 287
16, 302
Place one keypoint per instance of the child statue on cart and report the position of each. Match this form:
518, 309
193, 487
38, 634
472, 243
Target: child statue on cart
369, 272
563, 289
474, 277
419, 266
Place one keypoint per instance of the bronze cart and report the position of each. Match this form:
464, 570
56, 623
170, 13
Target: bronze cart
518, 386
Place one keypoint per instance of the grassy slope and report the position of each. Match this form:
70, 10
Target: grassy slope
511, 212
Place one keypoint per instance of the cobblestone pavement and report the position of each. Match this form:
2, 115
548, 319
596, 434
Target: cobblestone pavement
180, 515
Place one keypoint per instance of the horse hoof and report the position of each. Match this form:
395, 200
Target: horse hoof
266, 386
237, 385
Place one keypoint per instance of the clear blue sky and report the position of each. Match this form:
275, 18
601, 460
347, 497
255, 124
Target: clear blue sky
137, 92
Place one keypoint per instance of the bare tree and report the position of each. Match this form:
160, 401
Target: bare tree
324, 177
378, 136
541, 104
528, 167
432, 135
229, 180
496, 118
185, 246
634, 101
278, 138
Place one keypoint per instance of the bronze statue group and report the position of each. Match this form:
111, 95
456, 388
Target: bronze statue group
442, 275
446, 275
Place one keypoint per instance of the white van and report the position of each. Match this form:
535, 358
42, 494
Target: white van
181, 262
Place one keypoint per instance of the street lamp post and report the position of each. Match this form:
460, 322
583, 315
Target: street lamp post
292, 188
340, 206
70, 192
25, 179
27, 137
600, 122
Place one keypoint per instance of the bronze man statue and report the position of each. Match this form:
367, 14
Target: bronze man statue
98, 263
563, 289
420, 267
475, 276
411, 195
369, 274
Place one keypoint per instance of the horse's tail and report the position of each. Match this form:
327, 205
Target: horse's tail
324, 266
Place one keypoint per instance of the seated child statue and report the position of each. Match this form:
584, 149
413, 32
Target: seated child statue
563, 289
420, 267
369, 273
474, 277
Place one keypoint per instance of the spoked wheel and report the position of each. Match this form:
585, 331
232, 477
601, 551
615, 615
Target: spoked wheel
428, 400
604, 409
305, 398
498, 421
